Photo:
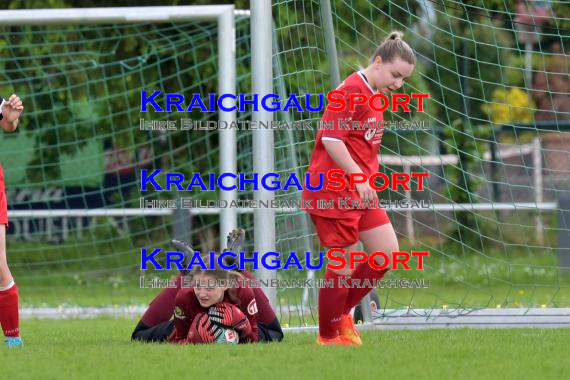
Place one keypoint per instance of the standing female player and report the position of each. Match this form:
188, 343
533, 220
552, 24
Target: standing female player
9, 314
355, 151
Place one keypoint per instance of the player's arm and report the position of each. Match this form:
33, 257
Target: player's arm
183, 317
11, 109
339, 153
266, 312
341, 156
248, 330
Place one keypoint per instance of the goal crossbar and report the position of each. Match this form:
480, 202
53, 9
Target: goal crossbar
115, 15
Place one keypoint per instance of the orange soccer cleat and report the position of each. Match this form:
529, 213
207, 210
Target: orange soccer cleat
348, 331
336, 341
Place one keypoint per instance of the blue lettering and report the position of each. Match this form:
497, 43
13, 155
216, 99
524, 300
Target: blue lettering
308, 103
253, 260
243, 101
145, 180
197, 258
174, 100
221, 260
174, 179
221, 181
145, 258
196, 181
276, 263
292, 178
308, 182
275, 183
221, 102
308, 261
293, 99
243, 181
150, 100
293, 259
176, 258
212, 103
275, 104
196, 102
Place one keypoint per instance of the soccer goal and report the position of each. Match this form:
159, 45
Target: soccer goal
496, 150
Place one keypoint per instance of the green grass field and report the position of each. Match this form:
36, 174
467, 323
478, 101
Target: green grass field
100, 348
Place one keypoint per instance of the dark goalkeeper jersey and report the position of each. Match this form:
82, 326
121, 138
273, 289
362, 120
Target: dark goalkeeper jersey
187, 307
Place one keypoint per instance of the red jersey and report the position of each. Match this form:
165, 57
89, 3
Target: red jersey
266, 314
187, 307
362, 143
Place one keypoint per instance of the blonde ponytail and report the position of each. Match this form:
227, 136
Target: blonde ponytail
394, 47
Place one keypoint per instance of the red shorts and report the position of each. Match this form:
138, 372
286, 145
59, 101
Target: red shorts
342, 232
3, 203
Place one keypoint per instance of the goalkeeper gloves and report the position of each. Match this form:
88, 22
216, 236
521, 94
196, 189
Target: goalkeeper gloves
230, 316
225, 315
203, 330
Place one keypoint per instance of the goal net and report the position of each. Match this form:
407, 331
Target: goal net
496, 150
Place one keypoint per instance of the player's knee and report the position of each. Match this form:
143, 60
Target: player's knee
278, 336
5, 278
277, 333
274, 331
136, 335
390, 246
388, 250
383, 260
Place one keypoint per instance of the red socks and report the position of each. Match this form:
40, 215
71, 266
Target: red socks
362, 272
9, 313
331, 304
162, 307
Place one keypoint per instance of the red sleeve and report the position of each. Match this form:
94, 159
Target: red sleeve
341, 120
186, 309
248, 306
265, 311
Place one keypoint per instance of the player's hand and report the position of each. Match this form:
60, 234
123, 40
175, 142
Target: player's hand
203, 330
243, 328
12, 108
226, 315
366, 192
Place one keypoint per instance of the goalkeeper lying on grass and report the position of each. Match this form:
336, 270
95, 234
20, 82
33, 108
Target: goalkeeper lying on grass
210, 314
